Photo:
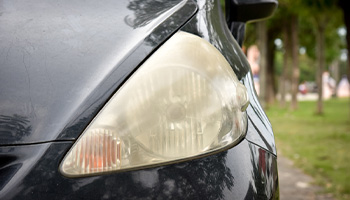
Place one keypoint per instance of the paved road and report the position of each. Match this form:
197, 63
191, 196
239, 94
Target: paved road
296, 185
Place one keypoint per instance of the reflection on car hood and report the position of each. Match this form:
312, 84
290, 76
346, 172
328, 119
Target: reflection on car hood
54, 55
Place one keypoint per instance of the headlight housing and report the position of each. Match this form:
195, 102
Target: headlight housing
185, 101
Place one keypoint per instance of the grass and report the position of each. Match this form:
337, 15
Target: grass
318, 144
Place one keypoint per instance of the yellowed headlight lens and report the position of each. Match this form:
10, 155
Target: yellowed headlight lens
183, 102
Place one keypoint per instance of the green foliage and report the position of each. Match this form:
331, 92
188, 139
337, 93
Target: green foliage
306, 65
250, 37
307, 69
310, 13
318, 144
316, 14
343, 68
278, 63
333, 42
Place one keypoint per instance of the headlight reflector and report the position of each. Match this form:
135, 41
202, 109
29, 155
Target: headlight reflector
183, 102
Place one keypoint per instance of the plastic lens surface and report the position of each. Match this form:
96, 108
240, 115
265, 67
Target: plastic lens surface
183, 102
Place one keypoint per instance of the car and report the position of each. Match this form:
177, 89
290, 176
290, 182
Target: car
131, 100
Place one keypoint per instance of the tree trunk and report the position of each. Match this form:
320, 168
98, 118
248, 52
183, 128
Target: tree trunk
271, 83
262, 37
320, 65
286, 45
345, 5
347, 23
295, 61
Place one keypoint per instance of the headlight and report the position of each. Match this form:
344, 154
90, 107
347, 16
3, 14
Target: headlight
183, 102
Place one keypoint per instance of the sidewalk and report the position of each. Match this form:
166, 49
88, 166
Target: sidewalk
296, 185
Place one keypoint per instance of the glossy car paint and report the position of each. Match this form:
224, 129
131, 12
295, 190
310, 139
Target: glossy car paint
61, 61
29, 161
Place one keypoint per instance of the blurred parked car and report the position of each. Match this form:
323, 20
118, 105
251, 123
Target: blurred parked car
311, 86
131, 100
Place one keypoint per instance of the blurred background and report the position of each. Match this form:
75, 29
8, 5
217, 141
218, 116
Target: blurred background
300, 63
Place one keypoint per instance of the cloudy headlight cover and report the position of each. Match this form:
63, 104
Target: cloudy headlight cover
184, 102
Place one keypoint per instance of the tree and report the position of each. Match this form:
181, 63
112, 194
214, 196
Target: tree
262, 37
288, 16
270, 71
286, 61
295, 61
345, 6
274, 31
321, 14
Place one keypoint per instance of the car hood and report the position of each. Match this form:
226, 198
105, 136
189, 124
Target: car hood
60, 61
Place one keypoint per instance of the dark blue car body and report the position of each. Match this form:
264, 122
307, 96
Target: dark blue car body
61, 61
